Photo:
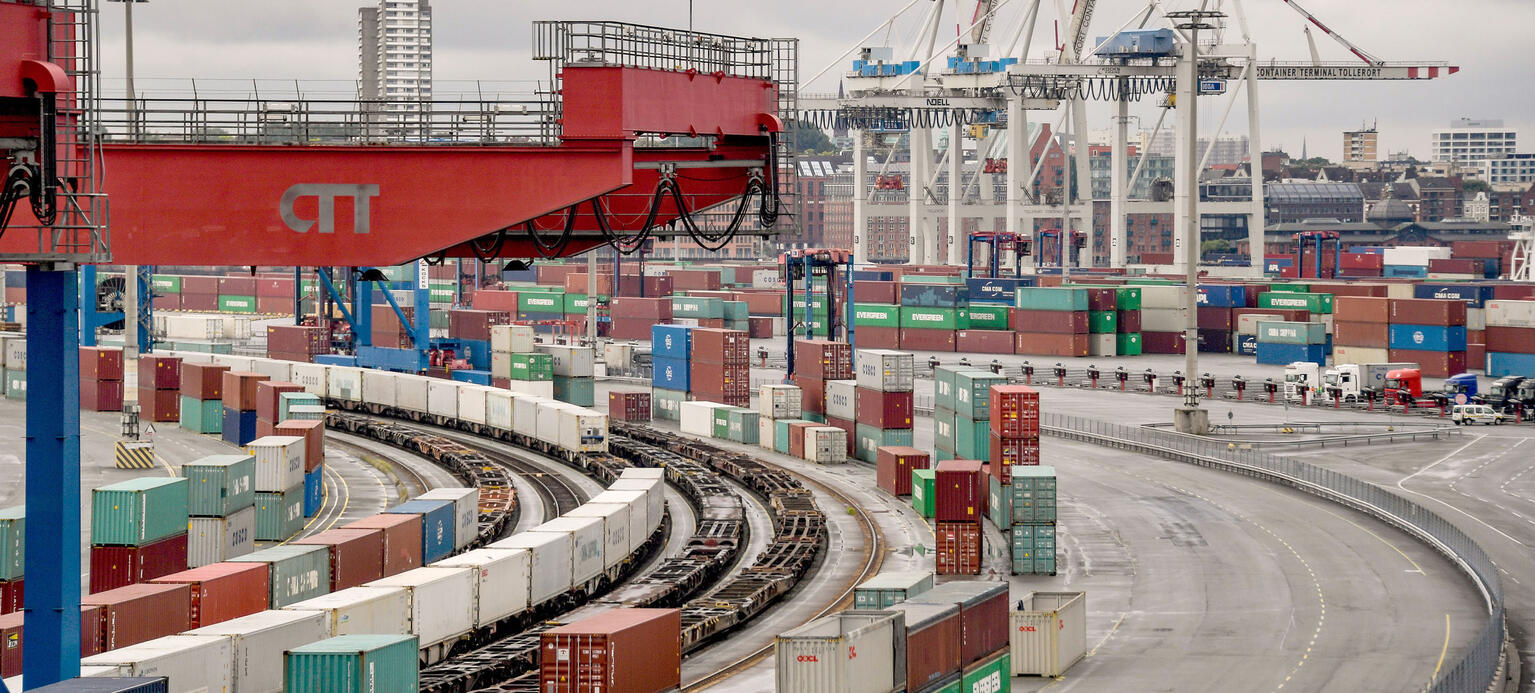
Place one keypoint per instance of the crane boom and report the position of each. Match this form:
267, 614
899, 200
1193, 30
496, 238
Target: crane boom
980, 23
1356, 50
1076, 31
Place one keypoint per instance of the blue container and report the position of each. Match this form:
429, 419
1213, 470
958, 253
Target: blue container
1274, 264
873, 276
1409, 271
670, 374
436, 526
1222, 296
935, 295
1136, 43
1428, 337
472, 376
335, 360
1475, 295
314, 491
671, 342
995, 291
1500, 364
239, 426
1282, 354
478, 353
137, 684
528, 275
1246, 345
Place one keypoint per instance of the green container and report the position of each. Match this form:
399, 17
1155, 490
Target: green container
972, 438
575, 304
736, 310
531, 366
781, 434
202, 416
988, 317
888, 589
1049, 298
876, 315
287, 400
138, 511
741, 425
700, 308
1103, 322
943, 432
972, 394
1127, 344
165, 283
1313, 303
237, 304
722, 423
935, 318
13, 542
1127, 298
871, 439
813, 417
1291, 288
204, 347
578, 391
993, 675
15, 384
818, 305
1034, 494
665, 405
541, 301
279, 515
999, 505
353, 664
1033, 548
220, 484
438, 320
297, 571
1292, 333
924, 489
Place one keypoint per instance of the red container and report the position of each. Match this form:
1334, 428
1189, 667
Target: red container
1477, 249
237, 286
313, 433
849, 427
268, 394
1162, 342
959, 547
1434, 364
274, 287
714, 382
13, 645
554, 275
202, 381
759, 327
167, 302
240, 390
918, 339
1353, 289
766, 303
118, 566
797, 438
983, 615
101, 363
1361, 261
402, 540
1456, 266
12, 593
629, 406
823, 359
1376, 335
101, 395
200, 285
1010, 452
297, 339
1051, 321
984, 341
577, 283
1476, 337
272, 305
495, 300
1427, 311
1516, 340
934, 642
618, 651
960, 491
159, 373
893, 465
1513, 292
138, 613
884, 409
652, 309
1102, 299
90, 630
1156, 258
695, 280
475, 324
732, 347
201, 303
1015, 411
159, 405
1215, 318
1476, 356
1129, 322
875, 292
1361, 309
1050, 344
356, 555
222, 591
879, 337
630, 328
812, 394
657, 286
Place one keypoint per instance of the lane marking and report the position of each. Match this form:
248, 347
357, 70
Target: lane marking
1415, 567
1112, 629
1439, 461
324, 500
1442, 652
1480, 521
346, 496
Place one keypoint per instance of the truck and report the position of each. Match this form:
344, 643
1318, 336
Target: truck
1302, 381
1503, 393
1405, 386
1349, 381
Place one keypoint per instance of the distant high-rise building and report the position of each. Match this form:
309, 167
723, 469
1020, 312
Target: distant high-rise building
394, 55
1469, 141
1361, 145
1229, 149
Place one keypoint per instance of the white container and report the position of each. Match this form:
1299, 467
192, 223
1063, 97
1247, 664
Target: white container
548, 421
257, 643
617, 542
511, 339
550, 566
841, 653
767, 431
16, 354
1162, 297
190, 663
1246, 323
279, 462
1476, 318
825, 445
618, 355
242, 364
582, 429
498, 409
442, 398
534, 388
654, 504
638, 505
1510, 313
362, 610
697, 418
1102, 345
471, 403
500, 364
311, 376
885, 370
236, 327
1359, 355
1049, 633
1162, 319
842, 399
778, 401
216, 539
1400, 291
500, 581
277, 371
525, 414
466, 512
440, 608
570, 361
411, 392
380, 387
643, 473
586, 543
1414, 255
344, 383
189, 327
766, 279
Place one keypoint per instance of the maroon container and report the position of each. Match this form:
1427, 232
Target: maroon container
1102, 299
495, 300
275, 287
201, 303
101, 395
1376, 335
1129, 322
884, 409
1162, 342
732, 347
159, 405
268, 394
240, 390
934, 642
297, 339
716, 382
554, 275
1513, 292
1434, 364
1476, 356
695, 280
576, 283
101, 363
1015, 411
1427, 311
812, 393
167, 302
1456, 266
138, 613
222, 591
159, 372
272, 305
618, 651
849, 427
1516, 340
202, 381
649, 308
983, 614
237, 286
1214, 318
1010, 452
200, 285
91, 627
823, 359
12, 593
1050, 344
475, 324
768, 303
960, 494
759, 327
659, 286
893, 466
1361, 261
629, 406
918, 339
11, 645
402, 540
356, 555
875, 292
985, 341
1352, 289
958, 547
118, 566
630, 328
1361, 309
1477, 249
1051, 321
797, 437
313, 433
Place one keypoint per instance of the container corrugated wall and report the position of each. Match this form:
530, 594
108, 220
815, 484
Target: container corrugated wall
220, 484
137, 511
1050, 635
353, 664
814, 657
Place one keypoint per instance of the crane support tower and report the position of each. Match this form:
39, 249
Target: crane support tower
800, 268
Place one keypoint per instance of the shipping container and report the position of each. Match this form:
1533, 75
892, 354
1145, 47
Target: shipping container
223, 591
989, 317
101, 363
817, 657
1433, 364
239, 389
353, 664
1014, 410
960, 491
933, 642
889, 588
501, 579
138, 511
550, 566
13, 542
1310, 302
361, 610
258, 641
356, 555
466, 511
1509, 313
821, 359
279, 462
112, 567
617, 543
825, 445
438, 521
1033, 494
841, 399
138, 613
587, 542
220, 484
779, 401
923, 491
1273, 353
885, 370
297, 572
959, 546
1042, 344
1048, 633
1033, 549
671, 374
1428, 311
618, 651
1054, 299
671, 342
894, 467
190, 663
1302, 333
441, 606
1427, 337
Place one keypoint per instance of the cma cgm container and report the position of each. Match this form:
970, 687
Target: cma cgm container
818, 656
220, 484
222, 591
257, 643
356, 555
137, 511
380, 610
353, 664
618, 651
437, 524
296, 572
885, 589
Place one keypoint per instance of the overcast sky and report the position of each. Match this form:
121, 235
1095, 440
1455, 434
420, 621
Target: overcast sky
284, 40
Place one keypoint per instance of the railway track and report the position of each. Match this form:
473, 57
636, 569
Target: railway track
408, 482
560, 496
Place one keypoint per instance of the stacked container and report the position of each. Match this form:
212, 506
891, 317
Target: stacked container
279, 484
222, 591
137, 613
296, 342
984, 627
959, 504
1162, 318
505, 341
1361, 330
1030, 522
1051, 321
876, 323
720, 366
574, 371
531, 374
884, 402
13, 558
841, 403
240, 403
138, 531
618, 651
670, 347
202, 399
221, 508
1282, 343
1127, 321
269, 394
1510, 338
633, 317
159, 388
1217, 316
815, 362
1429, 332
776, 403
101, 379
932, 315
962, 412
629, 406
894, 467
850, 651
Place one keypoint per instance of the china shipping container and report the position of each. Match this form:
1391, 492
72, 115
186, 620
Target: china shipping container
1048, 633
380, 610
356, 555
619, 651
222, 591
894, 466
815, 657
960, 491
892, 587
137, 613
959, 547
112, 567
353, 664
190, 662
933, 642
296, 572
983, 613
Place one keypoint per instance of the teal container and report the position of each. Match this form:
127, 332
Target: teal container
924, 491
887, 589
1034, 494
932, 279
1310, 302
722, 423
296, 571
13, 542
743, 425
1292, 333
813, 416
220, 484
138, 511
288, 400
202, 416
15, 384
972, 394
279, 515
736, 310
531, 367
701, 308
943, 432
1033, 549
871, 439
999, 506
353, 664
972, 439
578, 391
1051, 298
666, 405
204, 347
781, 434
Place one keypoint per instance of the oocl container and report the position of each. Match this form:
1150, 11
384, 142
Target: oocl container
137, 511
816, 657
437, 523
933, 642
356, 555
501, 580
983, 608
466, 512
222, 591
189, 662
550, 571
586, 538
353, 664
257, 643
890, 588
1048, 633
136, 613
297, 572
441, 607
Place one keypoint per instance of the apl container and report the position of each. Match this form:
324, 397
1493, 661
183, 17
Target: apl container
1048, 633
818, 656
257, 643
618, 651
137, 511
279, 515
890, 588
441, 602
353, 664
376, 610
189, 662
438, 520
220, 484
297, 572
